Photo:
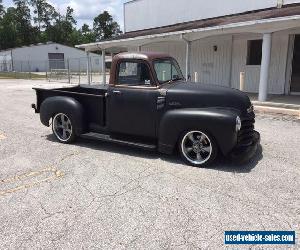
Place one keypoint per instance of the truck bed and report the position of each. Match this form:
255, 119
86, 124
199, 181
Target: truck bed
92, 98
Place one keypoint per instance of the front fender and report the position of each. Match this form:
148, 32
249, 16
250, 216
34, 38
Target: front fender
219, 123
63, 104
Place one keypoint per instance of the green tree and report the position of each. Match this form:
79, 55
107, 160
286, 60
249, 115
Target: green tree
69, 16
85, 29
38, 6
16, 25
26, 34
105, 27
67, 27
8, 30
1, 9
86, 34
63, 30
44, 12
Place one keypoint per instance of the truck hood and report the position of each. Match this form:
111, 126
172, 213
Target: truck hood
198, 95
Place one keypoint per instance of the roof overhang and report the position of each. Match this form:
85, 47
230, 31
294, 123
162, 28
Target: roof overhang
261, 26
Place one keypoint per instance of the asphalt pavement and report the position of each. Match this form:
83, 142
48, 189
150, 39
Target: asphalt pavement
95, 195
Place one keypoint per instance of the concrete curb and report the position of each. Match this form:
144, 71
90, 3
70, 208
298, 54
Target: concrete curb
276, 105
277, 110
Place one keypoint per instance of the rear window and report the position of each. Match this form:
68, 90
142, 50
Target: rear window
133, 73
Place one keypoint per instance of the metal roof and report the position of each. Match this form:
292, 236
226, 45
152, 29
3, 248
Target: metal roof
268, 20
38, 44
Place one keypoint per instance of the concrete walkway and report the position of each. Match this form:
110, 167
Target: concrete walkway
278, 104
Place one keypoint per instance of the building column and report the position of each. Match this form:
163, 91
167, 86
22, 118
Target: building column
103, 66
88, 67
139, 49
265, 65
188, 60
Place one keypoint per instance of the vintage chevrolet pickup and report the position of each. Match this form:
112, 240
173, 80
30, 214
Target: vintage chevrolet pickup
149, 104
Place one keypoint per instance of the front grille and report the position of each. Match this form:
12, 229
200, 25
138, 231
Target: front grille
246, 134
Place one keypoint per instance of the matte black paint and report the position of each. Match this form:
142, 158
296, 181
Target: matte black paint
158, 114
132, 111
67, 105
197, 95
92, 101
219, 123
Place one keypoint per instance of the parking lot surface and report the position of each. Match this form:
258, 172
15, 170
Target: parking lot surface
97, 195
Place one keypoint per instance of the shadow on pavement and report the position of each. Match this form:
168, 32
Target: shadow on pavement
221, 163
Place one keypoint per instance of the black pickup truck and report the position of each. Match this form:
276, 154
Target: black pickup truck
148, 104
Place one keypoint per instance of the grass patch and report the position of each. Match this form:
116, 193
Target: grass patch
18, 75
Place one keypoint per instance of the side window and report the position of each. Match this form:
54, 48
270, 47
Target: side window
134, 74
165, 70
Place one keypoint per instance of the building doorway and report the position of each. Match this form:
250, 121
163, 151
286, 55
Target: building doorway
295, 79
56, 60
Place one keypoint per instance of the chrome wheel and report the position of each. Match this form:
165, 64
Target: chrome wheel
62, 127
196, 147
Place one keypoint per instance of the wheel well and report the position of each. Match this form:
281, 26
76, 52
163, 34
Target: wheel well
61, 104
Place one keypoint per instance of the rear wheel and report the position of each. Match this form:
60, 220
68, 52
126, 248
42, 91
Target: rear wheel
63, 129
198, 148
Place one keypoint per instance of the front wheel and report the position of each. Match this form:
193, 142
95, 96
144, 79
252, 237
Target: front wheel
63, 128
198, 148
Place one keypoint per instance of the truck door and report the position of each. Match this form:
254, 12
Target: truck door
132, 100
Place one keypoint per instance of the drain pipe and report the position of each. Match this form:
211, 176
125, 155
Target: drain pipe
103, 67
187, 58
196, 77
88, 67
280, 3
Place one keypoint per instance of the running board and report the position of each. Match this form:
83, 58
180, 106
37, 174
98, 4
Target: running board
107, 138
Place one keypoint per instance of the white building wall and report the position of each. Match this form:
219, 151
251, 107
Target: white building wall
215, 67
176, 49
5, 61
239, 61
277, 76
279, 52
5, 55
145, 14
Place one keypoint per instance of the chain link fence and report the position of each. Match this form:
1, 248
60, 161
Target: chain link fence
74, 70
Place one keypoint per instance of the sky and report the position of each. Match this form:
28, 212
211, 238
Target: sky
86, 10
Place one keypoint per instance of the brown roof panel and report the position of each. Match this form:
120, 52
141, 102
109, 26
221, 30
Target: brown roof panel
141, 55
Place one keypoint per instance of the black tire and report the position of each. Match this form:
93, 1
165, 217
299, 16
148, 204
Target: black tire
197, 148
63, 128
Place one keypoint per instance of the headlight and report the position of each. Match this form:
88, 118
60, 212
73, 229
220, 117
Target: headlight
238, 124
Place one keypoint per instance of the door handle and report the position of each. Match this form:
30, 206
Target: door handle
117, 92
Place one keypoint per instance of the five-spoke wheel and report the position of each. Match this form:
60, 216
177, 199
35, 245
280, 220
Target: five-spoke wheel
197, 148
62, 128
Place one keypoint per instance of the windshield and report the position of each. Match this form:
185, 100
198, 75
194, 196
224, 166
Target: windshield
167, 70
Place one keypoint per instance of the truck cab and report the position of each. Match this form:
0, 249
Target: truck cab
149, 104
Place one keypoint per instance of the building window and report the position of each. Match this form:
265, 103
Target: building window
254, 52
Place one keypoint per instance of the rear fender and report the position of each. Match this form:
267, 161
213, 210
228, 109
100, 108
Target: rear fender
63, 104
219, 123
